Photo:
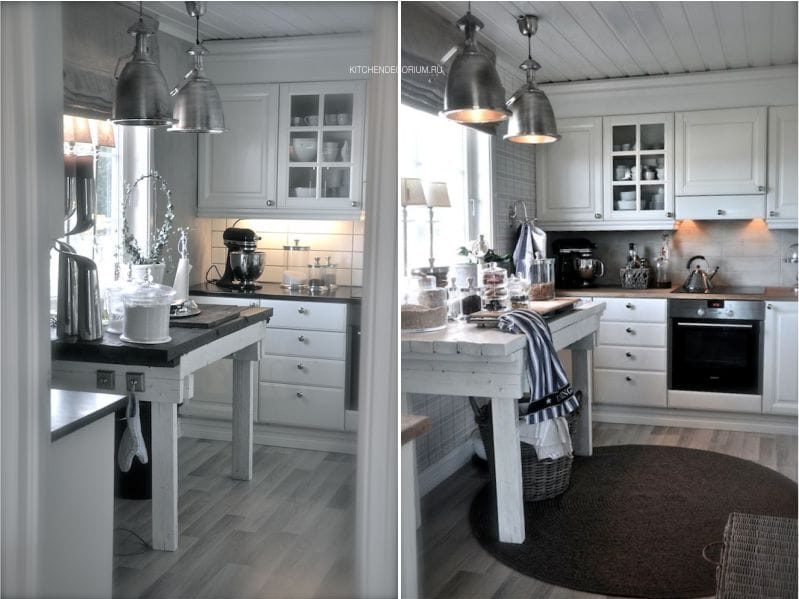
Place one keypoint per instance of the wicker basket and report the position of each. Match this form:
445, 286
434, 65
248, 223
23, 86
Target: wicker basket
541, 479
634, 278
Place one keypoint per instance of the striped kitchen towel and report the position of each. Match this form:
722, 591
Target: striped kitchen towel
551, 395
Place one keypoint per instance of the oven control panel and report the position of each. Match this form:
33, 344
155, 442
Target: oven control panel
717, 309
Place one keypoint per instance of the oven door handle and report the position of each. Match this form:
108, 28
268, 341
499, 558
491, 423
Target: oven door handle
702, 325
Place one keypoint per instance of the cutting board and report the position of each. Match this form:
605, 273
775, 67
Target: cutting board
210, 317
544, 308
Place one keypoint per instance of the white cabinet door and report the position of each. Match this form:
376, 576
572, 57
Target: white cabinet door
720, 152
782, 159
237, 168
780, 359
569, 174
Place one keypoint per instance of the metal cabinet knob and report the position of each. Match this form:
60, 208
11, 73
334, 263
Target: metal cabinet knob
301, 310
629, 306
629, 355
301, 338
772, 213
270, 202
300, 394
629, 330
300, 366
768, 306
354, 204
721, 212
761, 188
597, 215
669, 215
628, 378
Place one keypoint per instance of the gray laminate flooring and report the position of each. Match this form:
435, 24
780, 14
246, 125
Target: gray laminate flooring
289, 532
453, 565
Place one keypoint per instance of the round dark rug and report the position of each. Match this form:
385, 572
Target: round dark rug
634, 520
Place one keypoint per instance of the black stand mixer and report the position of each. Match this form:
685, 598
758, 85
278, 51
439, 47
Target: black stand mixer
243, 265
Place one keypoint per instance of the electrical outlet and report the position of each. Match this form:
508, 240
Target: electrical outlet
106, 380
134, 381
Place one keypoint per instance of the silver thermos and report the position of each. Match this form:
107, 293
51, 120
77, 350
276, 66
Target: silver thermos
79, 310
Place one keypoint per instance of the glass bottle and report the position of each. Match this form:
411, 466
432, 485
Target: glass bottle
633, 261
453, 300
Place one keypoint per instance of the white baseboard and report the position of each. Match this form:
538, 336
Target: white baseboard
444, 468
753, 423
266, 434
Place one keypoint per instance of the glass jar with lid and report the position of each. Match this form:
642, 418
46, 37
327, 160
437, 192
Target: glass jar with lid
295, 265
147, 312
329, 274
495, 288
518, 290
316, 276
424, 306
471, 301
541, 275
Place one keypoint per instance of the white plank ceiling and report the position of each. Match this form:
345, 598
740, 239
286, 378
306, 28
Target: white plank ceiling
596, 40
239, 20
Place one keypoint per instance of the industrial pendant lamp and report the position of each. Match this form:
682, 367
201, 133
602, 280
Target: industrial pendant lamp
198, 107
532, 120
142, 97
474, 93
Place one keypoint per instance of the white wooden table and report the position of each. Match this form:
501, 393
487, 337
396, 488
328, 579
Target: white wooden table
167, 386
469, 361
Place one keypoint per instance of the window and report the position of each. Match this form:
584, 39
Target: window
436, 149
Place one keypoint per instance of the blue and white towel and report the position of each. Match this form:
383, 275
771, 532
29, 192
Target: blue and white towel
551, 395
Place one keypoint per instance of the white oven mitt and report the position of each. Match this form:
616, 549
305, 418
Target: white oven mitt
132, 443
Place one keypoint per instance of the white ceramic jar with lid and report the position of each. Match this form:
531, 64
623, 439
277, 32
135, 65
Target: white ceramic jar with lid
147, 313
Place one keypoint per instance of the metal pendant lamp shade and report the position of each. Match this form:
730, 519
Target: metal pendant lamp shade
532, 120
473, 93
142, 95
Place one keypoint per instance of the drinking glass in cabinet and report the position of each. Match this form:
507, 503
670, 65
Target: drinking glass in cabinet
335, 182
653, 197
338, 110
305, 111
652, 136
302, 181
623, 138
303, 147
335, 146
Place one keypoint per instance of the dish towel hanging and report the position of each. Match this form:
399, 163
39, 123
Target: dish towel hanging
551, 395
530, 244
132, 443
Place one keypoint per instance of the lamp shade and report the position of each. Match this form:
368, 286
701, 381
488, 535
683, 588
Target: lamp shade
77, 130
142, 97
437, 195
102, 133
412, 192
198, 107
532, 120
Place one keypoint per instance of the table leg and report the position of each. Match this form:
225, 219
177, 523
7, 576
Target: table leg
410, 522
508, 468
165, 476
244, 385
582, 379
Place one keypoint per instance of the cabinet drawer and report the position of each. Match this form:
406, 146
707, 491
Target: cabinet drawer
244, 302
632, 334
303, 371
630, 358
630, 388
312, 344
307, 315
297, 405
634, 309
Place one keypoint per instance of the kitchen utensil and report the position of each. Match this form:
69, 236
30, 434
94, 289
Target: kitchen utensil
566, 250
305, 149
247, 266
699, 281
622, 172
147, 313
236, 240
295, 265
485, 318
304, 192
312, 121
79, 307
344, 118
589, 269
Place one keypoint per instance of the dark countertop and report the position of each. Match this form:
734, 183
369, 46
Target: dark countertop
72, 410
275, 291
111, 350
771, 293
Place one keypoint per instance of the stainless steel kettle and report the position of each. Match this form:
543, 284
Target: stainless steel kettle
699, 281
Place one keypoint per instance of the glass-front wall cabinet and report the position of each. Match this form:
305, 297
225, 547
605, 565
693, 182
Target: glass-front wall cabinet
638, 169
321, 145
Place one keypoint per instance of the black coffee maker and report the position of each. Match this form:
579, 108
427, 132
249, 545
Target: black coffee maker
236, 240
567, 251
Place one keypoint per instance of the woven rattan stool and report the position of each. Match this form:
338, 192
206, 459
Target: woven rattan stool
758, 558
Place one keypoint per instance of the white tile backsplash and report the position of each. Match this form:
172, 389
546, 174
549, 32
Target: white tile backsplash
341, 240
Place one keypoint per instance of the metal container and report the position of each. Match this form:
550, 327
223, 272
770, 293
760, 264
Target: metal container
79, 307
295, 265
541, 275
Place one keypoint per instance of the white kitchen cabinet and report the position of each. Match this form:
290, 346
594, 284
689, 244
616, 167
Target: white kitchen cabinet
320, 148
720, 152
569, 175
630, 358
781, 200
780, 359
237, 169
638, 169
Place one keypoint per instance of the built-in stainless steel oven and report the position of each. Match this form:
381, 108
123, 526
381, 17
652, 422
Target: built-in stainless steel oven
716, 345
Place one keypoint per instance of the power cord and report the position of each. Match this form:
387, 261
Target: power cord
141, 540
219, 274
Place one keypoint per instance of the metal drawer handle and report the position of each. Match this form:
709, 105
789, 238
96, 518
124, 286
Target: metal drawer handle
300, 394
772, 213
629, 355
669, 214
629, 330
768, 306
270, 202
301, 310
597, 216
300, 366
628, 378
301, 338
630, 306
714, 325
720, 212
761, 188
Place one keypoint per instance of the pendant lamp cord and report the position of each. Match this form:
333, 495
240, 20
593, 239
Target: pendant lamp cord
197, 31
529, 45
141, 12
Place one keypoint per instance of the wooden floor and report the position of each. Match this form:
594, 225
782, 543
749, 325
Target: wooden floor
454, 565
289, 532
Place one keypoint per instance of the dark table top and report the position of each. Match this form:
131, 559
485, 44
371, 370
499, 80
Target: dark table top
72, 410
111, 350
275, 291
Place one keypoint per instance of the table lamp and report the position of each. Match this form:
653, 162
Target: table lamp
411, 194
